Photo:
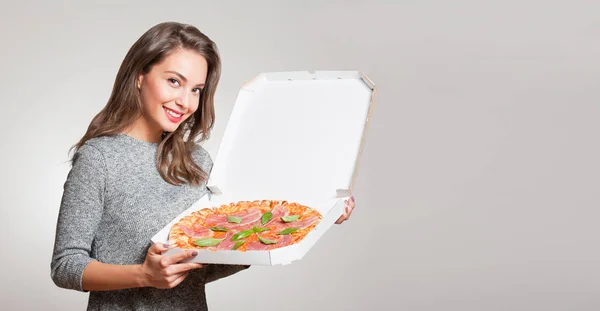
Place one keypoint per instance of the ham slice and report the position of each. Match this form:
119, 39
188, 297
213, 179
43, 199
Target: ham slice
227, 244
300, 224
278, 212
257, 246
196, 231
248, 217
282, 241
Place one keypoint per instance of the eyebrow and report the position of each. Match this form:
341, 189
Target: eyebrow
182, 77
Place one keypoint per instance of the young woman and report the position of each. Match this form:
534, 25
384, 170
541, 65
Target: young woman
137, 167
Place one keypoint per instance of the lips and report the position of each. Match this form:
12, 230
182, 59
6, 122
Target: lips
173, 115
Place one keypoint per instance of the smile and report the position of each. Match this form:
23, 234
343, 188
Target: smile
173, 115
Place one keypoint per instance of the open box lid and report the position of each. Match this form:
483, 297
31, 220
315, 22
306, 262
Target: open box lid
294, 136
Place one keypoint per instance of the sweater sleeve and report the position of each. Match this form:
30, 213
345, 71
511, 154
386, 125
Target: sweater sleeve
78, 218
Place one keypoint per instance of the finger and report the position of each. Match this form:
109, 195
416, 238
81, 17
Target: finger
347, 211
158, 248
178, 280
183, 267
342, 218
173, 259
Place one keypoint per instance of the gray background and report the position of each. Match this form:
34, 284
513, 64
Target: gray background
478, 189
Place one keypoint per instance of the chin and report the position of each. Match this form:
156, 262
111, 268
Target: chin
171, 127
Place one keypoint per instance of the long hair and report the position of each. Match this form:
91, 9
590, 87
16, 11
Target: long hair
174, 155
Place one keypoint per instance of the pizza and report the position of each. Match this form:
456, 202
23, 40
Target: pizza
245, 225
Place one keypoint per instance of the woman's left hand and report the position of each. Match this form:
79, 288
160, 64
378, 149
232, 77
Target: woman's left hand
347, 210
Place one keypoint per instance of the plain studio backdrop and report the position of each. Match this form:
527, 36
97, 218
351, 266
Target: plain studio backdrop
478, 186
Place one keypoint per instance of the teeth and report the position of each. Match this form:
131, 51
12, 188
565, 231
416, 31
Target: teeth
173, 113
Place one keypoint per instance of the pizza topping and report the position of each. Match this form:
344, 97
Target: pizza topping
242, 235
307, 222
265, 241
227, 244
290, 218
266, 217
238, 244
283, 241
208, 242
261, 229
234, 219
300, 224
257, 246
287, 231
221, 229
196, 231
278, 212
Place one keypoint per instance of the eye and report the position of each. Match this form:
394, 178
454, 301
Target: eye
173, 81
197, 91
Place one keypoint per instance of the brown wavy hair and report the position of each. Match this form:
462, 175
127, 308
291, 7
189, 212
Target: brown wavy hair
174, 156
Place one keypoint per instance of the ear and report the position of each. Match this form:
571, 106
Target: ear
139, 81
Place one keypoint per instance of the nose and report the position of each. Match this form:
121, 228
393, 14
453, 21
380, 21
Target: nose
183, 101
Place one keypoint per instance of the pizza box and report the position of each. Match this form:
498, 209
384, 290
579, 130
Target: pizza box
295, 136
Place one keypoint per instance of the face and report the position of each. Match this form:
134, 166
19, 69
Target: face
170, 93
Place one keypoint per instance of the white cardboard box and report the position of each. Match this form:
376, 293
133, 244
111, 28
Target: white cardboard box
294, 136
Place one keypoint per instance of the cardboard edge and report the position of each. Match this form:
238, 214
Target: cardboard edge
371, 85
253, 80
367, 80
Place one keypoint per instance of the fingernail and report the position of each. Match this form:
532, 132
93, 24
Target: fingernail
346, 209
166, 245
352, 198
194, 253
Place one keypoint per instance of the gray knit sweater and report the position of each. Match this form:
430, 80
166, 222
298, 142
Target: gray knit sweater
114, 201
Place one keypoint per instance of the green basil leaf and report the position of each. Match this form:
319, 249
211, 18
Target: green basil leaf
219, 229
260, 229
266, 241
290, 218
234, 219
238, 244
288, 231
266, 217
242, 235
208, 242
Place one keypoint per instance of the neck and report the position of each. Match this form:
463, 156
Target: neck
140, 129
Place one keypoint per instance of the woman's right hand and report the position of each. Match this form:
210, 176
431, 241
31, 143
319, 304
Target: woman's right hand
163, 271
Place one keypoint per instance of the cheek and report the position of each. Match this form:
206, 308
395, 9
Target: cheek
156, 94
195, 105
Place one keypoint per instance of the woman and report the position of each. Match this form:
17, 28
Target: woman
137, 167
